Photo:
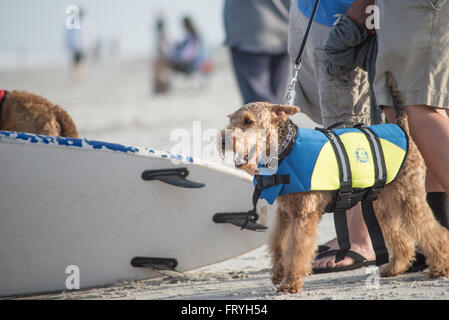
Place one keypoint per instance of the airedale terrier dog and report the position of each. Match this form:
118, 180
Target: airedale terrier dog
400, 208
27, 112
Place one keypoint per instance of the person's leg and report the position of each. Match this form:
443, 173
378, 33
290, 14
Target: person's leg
439, 203
253, 75
160, 82
78, 67
359, 238
429, 128
437, 198
421, 70
313, 97
280, 73
432, 183
430, 131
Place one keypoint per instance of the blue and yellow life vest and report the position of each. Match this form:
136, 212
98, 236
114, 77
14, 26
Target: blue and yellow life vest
312, 164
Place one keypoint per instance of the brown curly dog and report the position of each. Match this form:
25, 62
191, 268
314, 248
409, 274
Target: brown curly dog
401, 208
26, 112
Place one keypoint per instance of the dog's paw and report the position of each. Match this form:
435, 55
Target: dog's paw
386, 272
436, 272
392, 270
277, 274
276, 279
288, 286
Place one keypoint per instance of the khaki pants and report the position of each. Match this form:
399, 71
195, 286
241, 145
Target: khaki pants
413, 44
325, 99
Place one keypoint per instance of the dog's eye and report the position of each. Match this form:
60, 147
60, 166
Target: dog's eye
248, 121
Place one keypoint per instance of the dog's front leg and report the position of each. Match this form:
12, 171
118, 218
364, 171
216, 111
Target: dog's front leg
301, 244
277, 245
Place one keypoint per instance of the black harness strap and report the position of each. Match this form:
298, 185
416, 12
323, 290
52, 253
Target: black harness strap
344, 196
369, 215
262, 183
380, 169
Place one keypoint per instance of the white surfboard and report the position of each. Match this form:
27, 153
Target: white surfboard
77, 209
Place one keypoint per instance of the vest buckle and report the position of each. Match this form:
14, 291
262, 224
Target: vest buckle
373, 194
343, 201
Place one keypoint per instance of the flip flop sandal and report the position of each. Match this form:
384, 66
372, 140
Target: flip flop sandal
418, 265
359, 262
322, 248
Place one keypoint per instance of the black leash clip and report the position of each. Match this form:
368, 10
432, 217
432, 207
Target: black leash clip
252, 216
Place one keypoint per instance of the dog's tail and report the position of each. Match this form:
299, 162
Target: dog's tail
68, 128
401, 116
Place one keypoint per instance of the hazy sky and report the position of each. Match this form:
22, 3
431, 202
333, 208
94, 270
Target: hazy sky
33, 31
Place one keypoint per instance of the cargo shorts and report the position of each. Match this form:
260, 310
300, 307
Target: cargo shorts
413, 43
324, 98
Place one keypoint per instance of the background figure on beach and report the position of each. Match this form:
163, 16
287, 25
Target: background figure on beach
187, 56
160, 80
256, 32
81, 43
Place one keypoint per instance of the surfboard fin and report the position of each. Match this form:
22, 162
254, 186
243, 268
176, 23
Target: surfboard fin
154, 263
244, 220
173, 176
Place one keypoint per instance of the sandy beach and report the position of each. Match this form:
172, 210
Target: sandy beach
114, 103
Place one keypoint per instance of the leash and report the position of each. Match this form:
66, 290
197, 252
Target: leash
263, 182
291, 87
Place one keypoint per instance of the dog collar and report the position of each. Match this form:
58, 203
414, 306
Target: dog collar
2, 98
284, 147
287, 143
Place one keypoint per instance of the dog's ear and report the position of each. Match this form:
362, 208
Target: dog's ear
282, 111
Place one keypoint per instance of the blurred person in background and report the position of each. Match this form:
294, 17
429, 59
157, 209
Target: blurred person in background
160, 81
187, 56
81, 42
257, 32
